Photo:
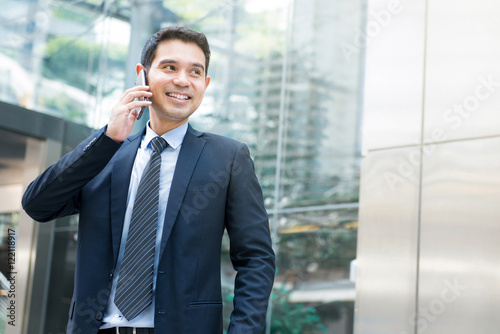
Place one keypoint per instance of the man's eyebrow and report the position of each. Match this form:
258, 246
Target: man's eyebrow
172, 61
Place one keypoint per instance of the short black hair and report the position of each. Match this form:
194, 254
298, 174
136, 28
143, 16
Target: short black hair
181, 33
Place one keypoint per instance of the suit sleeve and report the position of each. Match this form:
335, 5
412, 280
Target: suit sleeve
251, 250
55, 193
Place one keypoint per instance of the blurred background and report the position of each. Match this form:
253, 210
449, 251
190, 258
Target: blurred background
382, 112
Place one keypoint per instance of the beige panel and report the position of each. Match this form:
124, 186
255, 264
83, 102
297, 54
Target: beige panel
394, 73
460, 239
462, 90
9, 197
387, 242
25, 244
38, 156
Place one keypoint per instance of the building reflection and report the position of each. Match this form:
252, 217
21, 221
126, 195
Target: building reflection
280, 83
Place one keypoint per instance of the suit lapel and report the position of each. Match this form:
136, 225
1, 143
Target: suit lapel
120, 180
188, 158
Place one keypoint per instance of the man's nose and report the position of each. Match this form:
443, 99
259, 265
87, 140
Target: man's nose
181, 79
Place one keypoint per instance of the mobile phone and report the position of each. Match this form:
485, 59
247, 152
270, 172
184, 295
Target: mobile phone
141, 81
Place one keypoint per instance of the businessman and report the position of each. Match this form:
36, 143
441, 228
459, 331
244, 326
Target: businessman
154, 206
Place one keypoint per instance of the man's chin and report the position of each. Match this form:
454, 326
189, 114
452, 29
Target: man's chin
169, 117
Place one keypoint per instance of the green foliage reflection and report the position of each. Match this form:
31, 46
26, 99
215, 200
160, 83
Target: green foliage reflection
287, 318
293, 318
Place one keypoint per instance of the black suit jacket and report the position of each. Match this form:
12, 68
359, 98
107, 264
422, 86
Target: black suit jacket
214, 187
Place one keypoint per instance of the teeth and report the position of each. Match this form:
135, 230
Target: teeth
178, 96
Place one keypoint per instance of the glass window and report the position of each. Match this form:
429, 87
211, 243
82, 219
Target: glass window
64, 58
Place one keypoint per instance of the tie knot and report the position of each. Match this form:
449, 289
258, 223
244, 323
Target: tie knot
158, 144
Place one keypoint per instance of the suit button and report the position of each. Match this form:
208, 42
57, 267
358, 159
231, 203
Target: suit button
99, 316
110, 276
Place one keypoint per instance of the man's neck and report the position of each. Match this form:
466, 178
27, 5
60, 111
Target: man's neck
161, 128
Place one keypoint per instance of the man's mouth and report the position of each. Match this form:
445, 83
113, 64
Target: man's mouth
178, 96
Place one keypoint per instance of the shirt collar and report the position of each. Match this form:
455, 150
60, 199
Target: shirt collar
174, 137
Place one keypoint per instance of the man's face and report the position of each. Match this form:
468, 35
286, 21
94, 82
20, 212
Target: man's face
178, 80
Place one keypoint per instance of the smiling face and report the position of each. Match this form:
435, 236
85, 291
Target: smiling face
178, 80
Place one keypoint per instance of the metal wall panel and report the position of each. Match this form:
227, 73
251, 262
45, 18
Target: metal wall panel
459, 290
387, 243
394, 73
454, 255
462, 88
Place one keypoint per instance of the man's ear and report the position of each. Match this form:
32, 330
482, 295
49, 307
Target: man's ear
207, 81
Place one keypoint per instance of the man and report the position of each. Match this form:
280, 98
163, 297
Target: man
206, 184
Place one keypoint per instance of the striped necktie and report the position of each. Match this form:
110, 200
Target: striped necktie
134, 290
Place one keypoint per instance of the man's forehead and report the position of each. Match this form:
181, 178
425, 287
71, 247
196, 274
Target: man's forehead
176, 45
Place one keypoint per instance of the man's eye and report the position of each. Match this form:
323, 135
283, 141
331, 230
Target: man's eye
197, 72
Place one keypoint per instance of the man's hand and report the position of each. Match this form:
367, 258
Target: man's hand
124, 114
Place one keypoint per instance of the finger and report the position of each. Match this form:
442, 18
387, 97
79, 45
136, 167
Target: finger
137, 88
132, 113
134, 90
130, 96
138, 104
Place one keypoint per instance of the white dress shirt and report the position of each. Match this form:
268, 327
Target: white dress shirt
174, 138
